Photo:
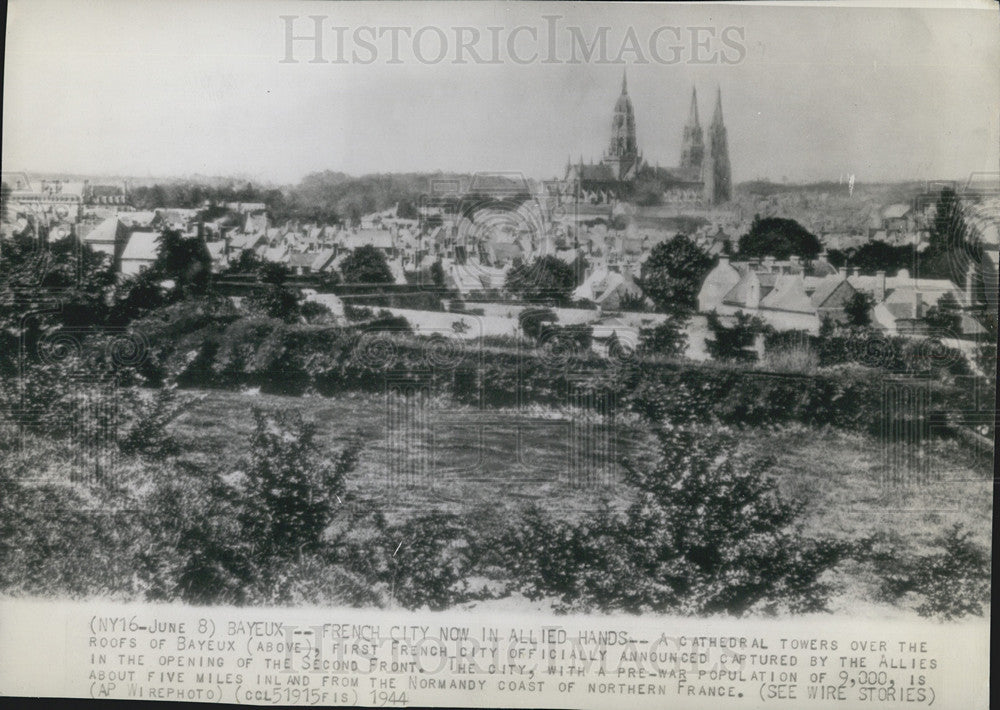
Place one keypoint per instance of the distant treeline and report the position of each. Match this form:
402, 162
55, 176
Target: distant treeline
327, 197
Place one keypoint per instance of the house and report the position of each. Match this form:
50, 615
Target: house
108, 236
276, 254
474, 277
718, 282
255, 223
322, 260
896, 218
609, 287
301, 262
217, 251
139, 253
379, 238
902, 302
785, 299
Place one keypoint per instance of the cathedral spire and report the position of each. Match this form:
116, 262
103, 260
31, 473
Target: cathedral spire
622, 148
693, 114
693, 144
716, 172
717, 115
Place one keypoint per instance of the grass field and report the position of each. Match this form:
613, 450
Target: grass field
440, 456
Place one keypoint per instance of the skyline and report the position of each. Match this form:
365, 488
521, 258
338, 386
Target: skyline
884, 94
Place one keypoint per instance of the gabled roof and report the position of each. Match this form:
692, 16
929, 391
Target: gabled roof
106, 231
301, 259
140, 218
141, 246
216, 250
821, 267
737, 295
322, 259
896, 211
788, 294
378, 238
277, 253
825, 288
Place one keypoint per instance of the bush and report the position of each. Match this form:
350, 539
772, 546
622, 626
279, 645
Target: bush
666, 338
145, 424
424, 561
952, 581
290, 494
708, 534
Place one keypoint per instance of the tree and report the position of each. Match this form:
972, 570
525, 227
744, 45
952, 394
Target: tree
134, 297
275, 300
878, 255
247, 263
184, 260
858, 309
273, 273
46, 287
4, 199
437, 274
406, 210
532, 321
673, 274
666, 338
546, 278
952, 250
366, 265
945, 317
780, 238
736, 342
949, 229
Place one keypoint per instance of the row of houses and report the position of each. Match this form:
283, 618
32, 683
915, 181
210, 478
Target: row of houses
795, 295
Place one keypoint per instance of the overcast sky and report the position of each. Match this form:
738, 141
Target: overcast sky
157, 88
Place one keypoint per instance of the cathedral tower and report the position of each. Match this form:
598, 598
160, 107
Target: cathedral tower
716, 172
693, 147
623, 151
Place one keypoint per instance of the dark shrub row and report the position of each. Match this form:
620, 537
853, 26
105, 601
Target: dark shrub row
292, 359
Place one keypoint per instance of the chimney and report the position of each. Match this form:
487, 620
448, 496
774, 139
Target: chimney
918, 305
753, 294
879, 286
794, 260
855, 272
769, 263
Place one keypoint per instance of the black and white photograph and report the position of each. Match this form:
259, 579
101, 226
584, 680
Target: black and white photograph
484, 354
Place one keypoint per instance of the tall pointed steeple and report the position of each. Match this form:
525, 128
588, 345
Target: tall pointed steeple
693, 113
623, 152
717, 114
716, 171
693, 145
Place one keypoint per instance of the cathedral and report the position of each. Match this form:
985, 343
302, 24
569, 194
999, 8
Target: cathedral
703, 176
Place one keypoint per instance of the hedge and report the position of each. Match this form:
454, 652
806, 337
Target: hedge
293, 359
